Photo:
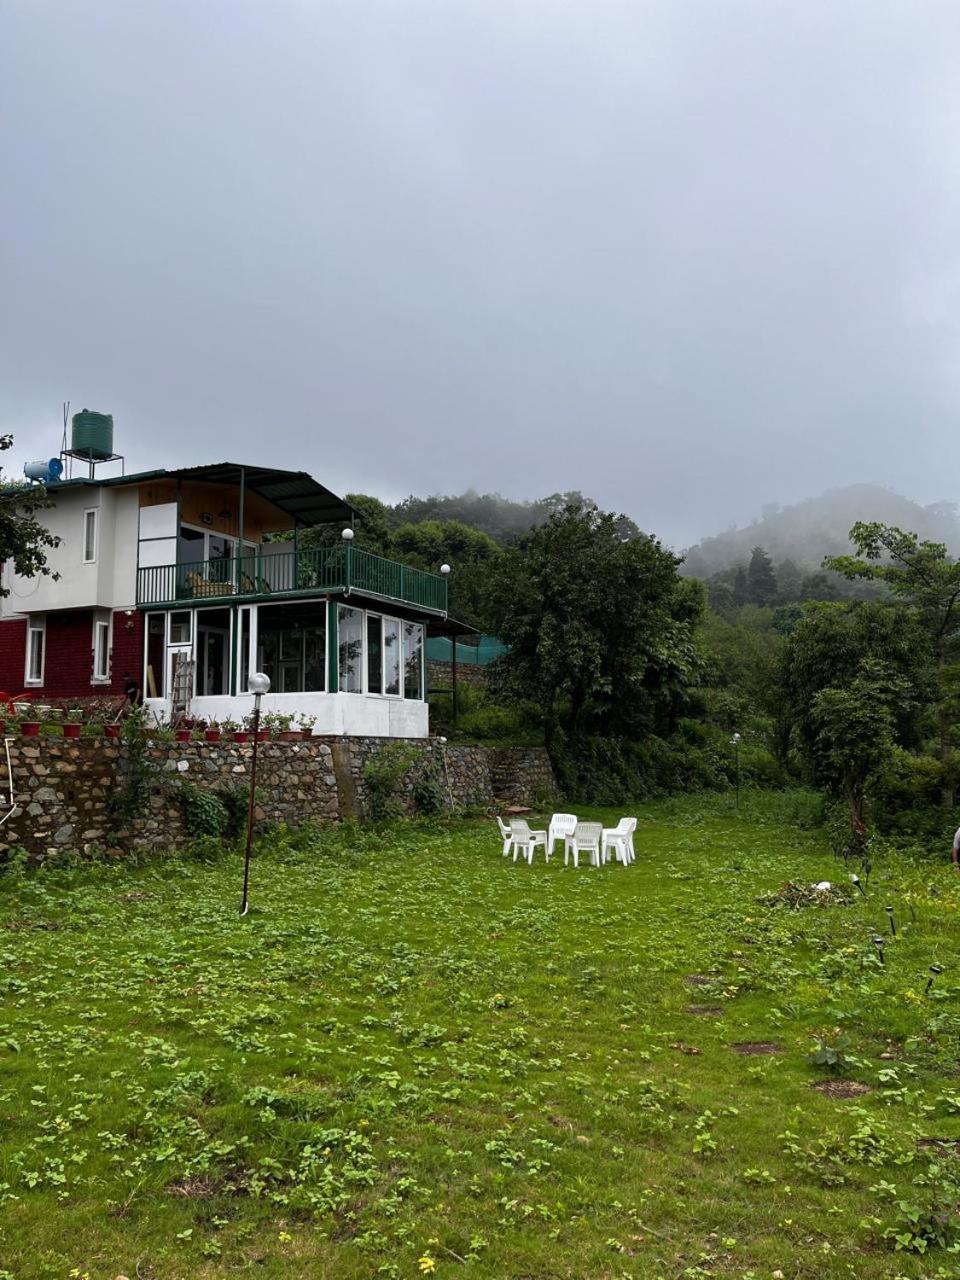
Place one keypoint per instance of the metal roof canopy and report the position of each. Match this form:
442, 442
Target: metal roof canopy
451, 628
294, 492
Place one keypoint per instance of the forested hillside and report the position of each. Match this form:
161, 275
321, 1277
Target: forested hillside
817, 527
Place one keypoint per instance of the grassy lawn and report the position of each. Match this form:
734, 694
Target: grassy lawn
414, 1056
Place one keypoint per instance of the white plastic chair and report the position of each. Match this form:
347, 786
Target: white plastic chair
585, 839
525, 841
507, 835
562, 825
620, 840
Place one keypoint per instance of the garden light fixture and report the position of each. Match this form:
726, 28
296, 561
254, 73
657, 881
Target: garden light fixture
445, 570
879, 942
855, 881
347, 535
258, 685
935, 970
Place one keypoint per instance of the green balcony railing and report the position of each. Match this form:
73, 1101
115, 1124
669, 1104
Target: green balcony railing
302, 572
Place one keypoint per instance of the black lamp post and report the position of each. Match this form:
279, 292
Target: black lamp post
258, 685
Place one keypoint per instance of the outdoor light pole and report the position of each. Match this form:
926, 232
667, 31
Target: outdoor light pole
736, 746
258, 685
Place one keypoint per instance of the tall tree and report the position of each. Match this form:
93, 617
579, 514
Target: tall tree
924, 576
856, 731
761, 578
24, 542
601, 629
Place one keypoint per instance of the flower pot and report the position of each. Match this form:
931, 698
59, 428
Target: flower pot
72, 730
111, 731
30, 728
183, 735
211, 735
263, 735
291, 735
240, 735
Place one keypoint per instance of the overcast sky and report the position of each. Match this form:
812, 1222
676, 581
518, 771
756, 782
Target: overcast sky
689, 256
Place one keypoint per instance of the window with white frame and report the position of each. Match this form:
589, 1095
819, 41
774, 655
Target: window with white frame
36, 650
101, 649
90, 535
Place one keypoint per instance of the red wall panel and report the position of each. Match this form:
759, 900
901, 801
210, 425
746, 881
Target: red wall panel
13, 654
68, 664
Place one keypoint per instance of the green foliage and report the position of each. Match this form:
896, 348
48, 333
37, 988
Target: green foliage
602, 630
855, 730
204, 812
24, 541
137, 772
383, 777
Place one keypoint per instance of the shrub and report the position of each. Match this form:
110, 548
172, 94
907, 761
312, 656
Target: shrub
204, 812
383, 776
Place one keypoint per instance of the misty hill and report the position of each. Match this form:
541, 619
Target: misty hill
818, 527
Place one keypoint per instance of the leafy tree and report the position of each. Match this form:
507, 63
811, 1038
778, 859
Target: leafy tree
855, 731
761, 578
827, 648
24, 542
924, 576
601, 629
472, 555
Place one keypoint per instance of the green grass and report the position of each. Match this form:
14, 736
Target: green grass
413, 1049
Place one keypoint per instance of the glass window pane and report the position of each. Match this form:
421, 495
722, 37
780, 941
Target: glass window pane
35, 654
155, 652
374, 653
89, 536
413, 660
180, 628
351, 650
391, 656
191, 546
315, 659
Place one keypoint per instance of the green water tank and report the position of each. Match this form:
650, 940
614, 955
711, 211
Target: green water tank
92, 435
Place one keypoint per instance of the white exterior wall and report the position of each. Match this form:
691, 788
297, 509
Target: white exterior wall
108, 583
353, 714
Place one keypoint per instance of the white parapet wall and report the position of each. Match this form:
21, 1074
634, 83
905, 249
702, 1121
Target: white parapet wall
338, 714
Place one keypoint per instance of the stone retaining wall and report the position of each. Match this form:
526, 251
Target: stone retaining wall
440, 674
63, 786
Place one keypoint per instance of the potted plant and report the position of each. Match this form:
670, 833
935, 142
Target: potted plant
229, 729
111, 729
285, 730
212, 732
73, 724
30, 723
263, 734
183, 730
306, 724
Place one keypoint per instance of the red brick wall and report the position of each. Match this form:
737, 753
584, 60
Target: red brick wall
127, 648
13, 654
68, 665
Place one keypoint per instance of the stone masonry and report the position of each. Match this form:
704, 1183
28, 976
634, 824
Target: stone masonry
62, 786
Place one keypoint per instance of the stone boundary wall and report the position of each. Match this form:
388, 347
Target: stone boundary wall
440, 674
63, 786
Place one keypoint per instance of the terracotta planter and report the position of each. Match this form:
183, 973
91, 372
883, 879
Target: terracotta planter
240, 735
291, 735
111, 731
211, 735
30, 728
71, 730
263, 735
183, 735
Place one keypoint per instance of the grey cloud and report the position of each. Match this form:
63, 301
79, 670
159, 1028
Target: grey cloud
688, 258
